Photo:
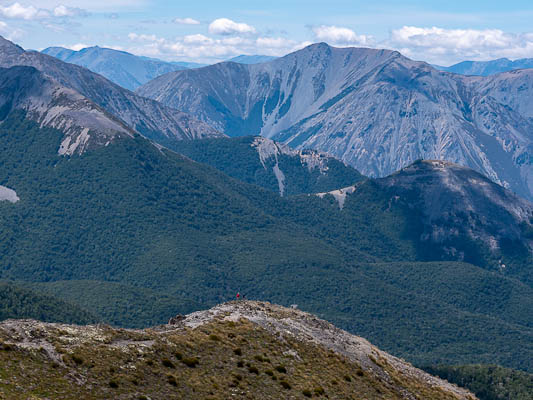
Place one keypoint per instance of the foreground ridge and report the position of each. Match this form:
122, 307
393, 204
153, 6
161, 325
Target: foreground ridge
244, 349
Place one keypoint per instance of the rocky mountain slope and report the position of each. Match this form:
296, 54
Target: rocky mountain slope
272, 165
373, 109
456, 200
124, 69
455, 207
250, 349
145, 116
52, 105
486, 68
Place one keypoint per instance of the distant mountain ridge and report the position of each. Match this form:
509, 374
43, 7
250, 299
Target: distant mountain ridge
120, 67
373, 109
145, 116
251, 59
486, 68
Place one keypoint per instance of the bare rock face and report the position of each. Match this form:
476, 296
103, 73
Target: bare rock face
145, 116
237, 349
373, 109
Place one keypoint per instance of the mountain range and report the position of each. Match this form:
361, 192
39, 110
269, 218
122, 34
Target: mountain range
145, 116
432, 263
205, 236
373, 109
120, 67
128, 70
486, 68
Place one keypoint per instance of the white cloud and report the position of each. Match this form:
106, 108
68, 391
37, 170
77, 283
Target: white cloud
19, 11
197, 39
225, 26
186, 21
204, 48
340, 36
77, 46
64, 11
96, 5
438, 45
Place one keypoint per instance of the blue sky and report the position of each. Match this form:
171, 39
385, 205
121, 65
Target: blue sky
208, 31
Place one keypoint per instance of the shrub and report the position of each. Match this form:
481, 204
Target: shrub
253, 370
281, 369
238, 352
191, 362
285, 385
214, 337
7, 347
167, 363
359, 372
178, 355
113, 384
307, 393
240, 364
319, 391
172, 380
259, 358
77, 359
149, 362
347, 378
269, 372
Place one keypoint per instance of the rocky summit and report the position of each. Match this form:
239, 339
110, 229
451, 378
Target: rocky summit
243, 350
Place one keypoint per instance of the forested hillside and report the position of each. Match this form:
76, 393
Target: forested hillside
133, 219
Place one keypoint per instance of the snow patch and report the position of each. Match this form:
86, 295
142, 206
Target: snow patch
7, 194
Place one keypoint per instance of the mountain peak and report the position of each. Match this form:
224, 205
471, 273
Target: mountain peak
449, 195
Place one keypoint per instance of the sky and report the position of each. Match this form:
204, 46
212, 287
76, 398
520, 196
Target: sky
439, 32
